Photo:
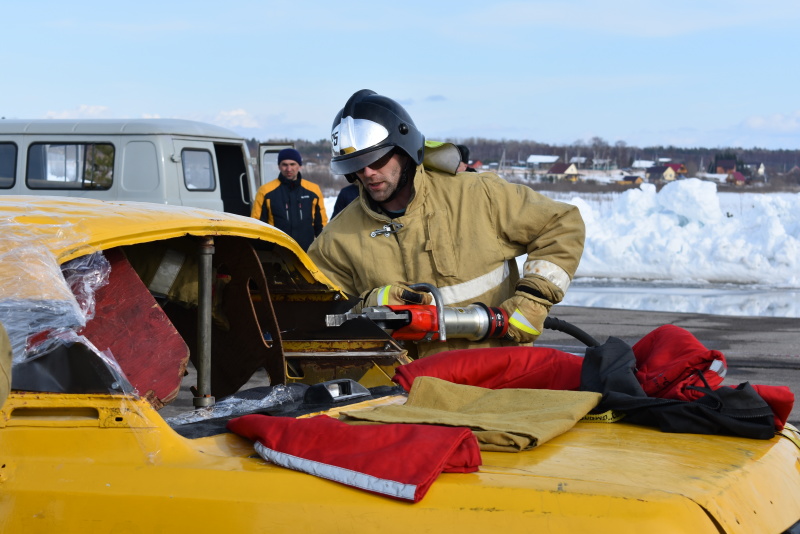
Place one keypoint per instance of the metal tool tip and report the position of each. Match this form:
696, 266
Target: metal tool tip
335, 320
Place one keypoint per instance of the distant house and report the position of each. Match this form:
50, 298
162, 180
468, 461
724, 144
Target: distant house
563, 171
540, 162
679, 168
725, 166
642, 164
605, 164
660, 173
736, 178
630, 180
579, 161
756, 168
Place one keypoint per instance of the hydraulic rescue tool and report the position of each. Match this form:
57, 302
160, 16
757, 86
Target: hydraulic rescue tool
420, 322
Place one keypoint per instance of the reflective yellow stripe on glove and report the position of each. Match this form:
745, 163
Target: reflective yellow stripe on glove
526, 317
395, 294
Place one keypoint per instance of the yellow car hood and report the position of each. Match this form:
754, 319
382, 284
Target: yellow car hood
70, 227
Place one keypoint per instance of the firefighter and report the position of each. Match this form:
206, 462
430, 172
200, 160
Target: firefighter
460, 233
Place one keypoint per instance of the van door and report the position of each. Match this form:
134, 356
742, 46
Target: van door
198, 181
236, 185
268, 161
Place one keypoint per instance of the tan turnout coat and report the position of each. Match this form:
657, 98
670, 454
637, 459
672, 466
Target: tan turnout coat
460, 233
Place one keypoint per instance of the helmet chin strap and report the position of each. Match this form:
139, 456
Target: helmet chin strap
408, 168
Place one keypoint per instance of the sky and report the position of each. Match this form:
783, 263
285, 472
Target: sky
687, 73
687, 248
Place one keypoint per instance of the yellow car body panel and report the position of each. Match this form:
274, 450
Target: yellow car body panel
99, 463
96, 463
71, 227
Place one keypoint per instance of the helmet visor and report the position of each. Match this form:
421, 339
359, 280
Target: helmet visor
358, 160
356, 143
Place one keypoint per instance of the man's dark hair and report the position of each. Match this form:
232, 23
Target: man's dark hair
464, 150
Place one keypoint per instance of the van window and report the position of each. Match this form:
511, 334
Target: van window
8, 165
198, 170
269, 166
70, 166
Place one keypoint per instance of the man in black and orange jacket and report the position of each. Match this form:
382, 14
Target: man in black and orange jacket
290, 203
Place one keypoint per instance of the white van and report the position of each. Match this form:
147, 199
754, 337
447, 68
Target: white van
166, 161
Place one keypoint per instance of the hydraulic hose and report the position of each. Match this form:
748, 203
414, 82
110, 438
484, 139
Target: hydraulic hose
552, 323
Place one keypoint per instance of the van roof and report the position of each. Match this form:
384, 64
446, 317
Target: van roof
115, 126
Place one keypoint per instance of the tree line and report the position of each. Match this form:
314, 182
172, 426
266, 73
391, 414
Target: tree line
777, 163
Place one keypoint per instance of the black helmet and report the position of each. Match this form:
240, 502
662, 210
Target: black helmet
368, 127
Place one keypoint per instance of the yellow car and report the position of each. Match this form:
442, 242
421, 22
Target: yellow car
104, 305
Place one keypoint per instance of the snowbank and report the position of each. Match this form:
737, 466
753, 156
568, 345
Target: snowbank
688, 232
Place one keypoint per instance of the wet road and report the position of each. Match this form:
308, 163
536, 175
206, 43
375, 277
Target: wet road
759, 350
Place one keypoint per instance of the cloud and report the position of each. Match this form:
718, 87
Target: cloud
435, 98
777, 122
82, 112
236, 118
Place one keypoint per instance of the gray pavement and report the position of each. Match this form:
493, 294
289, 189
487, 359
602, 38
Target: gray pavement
759, 350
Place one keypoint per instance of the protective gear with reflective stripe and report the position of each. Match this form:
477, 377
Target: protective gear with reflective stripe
526, 317
356, 455
383, 295
396, 294
519, 321
549, 271
472, 289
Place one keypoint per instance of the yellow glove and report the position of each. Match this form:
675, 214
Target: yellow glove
526, 317
394, 295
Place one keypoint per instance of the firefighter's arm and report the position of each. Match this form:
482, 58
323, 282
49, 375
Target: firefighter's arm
551, 233
340, 273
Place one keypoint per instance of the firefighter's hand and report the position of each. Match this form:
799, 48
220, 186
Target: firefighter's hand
394, 295
526, 317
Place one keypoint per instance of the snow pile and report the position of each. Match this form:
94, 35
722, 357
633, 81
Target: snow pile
687, 248
686, 232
